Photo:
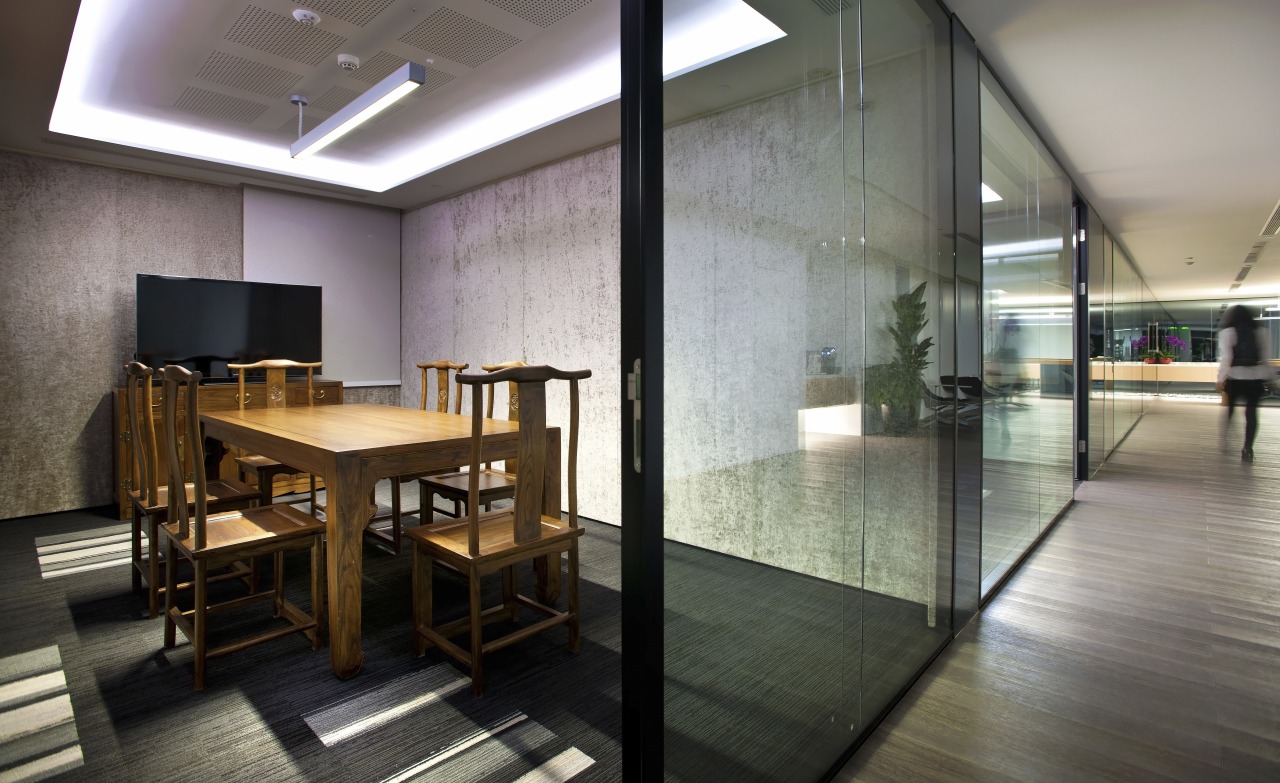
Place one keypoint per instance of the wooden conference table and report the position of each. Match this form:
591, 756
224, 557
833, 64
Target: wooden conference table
352, 447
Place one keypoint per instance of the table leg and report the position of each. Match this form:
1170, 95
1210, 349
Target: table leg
348, 513
547, 587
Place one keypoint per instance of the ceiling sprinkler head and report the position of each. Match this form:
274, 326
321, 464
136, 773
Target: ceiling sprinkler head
348, 62
308, 18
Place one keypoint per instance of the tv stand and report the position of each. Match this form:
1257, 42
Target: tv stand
219, 396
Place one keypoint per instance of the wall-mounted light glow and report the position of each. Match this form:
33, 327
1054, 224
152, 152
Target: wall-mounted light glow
1032, 301
989, 195
375, 100
1022, 248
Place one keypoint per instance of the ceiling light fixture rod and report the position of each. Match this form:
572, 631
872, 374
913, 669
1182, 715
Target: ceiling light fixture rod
381, 96
299, 101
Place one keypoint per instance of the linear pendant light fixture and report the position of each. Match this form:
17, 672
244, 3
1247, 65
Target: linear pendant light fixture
379, 97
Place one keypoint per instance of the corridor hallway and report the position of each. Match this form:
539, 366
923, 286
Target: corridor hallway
1140, 641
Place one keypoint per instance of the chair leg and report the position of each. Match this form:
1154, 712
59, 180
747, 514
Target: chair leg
574, 638
426, 511
395, 513
421, 599
278, 575
477, 636
314, 505
170, 577
137, 553
199, 627
509, 601
317, 592
266, 483
153, 567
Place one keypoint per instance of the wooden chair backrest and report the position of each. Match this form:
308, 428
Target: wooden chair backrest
142, 430
513, 394
513, 403
442, 368
179, 381
531, 453
276, 369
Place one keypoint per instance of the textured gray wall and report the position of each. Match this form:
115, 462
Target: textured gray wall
526, 268
72, 237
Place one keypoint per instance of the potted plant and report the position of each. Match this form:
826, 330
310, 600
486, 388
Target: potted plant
1173, 348
897, 384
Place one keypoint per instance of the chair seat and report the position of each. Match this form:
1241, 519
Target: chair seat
236, 532
491, 482
258, 462
448, 540
217, 493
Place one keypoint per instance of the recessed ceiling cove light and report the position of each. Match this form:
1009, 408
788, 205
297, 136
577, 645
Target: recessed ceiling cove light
533, 93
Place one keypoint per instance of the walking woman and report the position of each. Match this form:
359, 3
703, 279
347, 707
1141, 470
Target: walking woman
1244, 370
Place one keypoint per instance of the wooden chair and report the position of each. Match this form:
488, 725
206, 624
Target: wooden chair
494, 484
209, 541
265, 468
484, 543
149, 498
442, 368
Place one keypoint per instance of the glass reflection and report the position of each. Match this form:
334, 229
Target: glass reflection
1028, 378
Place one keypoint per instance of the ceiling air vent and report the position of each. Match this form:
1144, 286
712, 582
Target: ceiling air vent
458, 37
1273, 223
1252, 258
1244, 272
543, 13
829, 7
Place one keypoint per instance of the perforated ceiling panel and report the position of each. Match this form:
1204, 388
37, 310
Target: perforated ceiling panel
435, 80
356, 12
232, 71
543, 13
459, 38
829, 7
333, 99
290, 127
219, 106
260, 29
376, 68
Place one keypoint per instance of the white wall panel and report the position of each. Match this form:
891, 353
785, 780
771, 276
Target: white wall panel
353, 252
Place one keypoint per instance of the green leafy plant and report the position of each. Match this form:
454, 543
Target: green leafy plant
897, 384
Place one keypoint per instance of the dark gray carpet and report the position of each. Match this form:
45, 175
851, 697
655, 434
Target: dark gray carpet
276, 712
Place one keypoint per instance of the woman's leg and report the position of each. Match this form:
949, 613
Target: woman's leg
1251, 391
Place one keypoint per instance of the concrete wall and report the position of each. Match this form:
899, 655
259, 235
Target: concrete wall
527, 269
72, 238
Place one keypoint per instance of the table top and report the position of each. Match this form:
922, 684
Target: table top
356, 428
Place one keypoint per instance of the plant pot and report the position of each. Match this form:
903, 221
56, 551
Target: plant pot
1148, 360
1164, 360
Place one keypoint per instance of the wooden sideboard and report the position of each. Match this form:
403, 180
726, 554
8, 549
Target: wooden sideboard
213, 397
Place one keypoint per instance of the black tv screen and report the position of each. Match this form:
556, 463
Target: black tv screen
204, 324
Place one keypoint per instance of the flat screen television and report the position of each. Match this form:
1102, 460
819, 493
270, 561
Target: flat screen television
204, 324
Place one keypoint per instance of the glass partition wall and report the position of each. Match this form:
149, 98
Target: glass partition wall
807, 298
1028, 379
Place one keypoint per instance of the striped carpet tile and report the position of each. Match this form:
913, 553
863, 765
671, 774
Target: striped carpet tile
457, 741
38, 737
88, 550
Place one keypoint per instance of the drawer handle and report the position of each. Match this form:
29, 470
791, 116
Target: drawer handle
318, 393
247, 396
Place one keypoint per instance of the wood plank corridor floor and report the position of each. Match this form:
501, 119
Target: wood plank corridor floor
1140, 641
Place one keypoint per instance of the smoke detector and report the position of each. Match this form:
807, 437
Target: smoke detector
308, 18
348, 62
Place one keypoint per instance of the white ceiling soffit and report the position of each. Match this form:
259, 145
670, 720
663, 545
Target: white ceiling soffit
501, 69
1164, 115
